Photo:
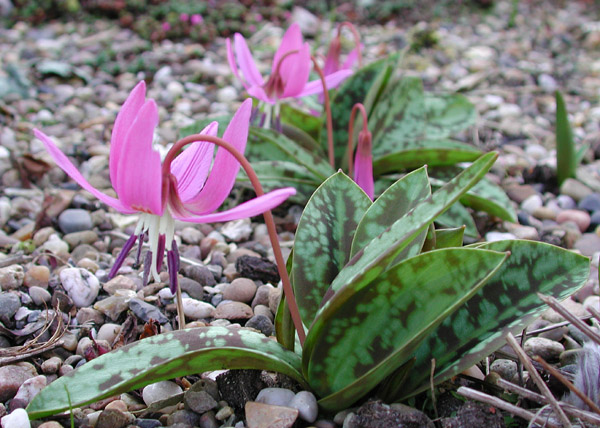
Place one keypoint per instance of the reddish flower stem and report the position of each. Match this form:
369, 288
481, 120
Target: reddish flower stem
287, 286
328, 111
355, 108
354, 31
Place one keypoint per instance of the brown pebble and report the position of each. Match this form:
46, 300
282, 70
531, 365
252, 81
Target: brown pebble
233, 311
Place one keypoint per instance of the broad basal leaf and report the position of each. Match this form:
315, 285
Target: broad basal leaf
277, 174
398, 116
272, 145
375, 258
161, 357
456, 216
323, 239
301, 119
395, 202
447, 238
416, 153
507, 303
366, 333
447, 115
484, 196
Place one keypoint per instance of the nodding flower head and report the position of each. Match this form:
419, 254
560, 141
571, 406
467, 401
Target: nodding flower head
185, 187
289, 71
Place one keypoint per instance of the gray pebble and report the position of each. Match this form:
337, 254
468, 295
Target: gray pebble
505, 368
275, 396
262, 324
11, 277
74, 220
39, 296
146, 311
202, 275
199, 401
9, 305
548, 349
307, 406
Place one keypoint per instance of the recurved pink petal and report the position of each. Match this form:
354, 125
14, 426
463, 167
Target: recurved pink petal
294, 71
332, 81
351, 58
291, 41
140, 175
225, 168
124, 120
246, 62
233, 65
259, 93
251, 208
65, 164
191, 167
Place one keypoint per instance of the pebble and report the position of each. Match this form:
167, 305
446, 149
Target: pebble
193, 288
74, 220
201, 274
9, 305
196, 309
55, 245
498, 236
77, 238
237, 230
119, 282
12, 377
233, 311
566, 202
37, 276
199, 401
113, 418
261, 323
81, 285
507, 369
307, 406
240, 290
580, 218
572, 306
588, 244
260, 415
275, 396
17, 419
146, 311
159, 391
548, 349
112, 306
532, 203
11, 277
575, 189
51, 365
29, 389
108, 332
39, 295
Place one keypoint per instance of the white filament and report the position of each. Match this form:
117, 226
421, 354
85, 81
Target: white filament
156, 226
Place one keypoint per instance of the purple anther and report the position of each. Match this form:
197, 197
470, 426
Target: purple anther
172, 264
160, 252
121, 257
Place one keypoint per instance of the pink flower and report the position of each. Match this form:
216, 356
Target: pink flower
184, 17
363, 164
196, 18
166, 26
160, 194
289, 72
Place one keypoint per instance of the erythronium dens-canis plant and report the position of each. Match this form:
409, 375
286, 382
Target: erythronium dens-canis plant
188, 186
380, 292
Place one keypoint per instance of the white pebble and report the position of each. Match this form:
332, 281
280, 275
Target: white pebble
275, 396
159, 391
196, 309
307, 406
81, 285
498, 236
17, 419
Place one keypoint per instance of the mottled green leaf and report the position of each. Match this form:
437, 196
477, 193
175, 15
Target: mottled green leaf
507, 303
456, 216
447, 115
302, 139
276, 146
374, 259
161, 357
285, 330
277, 174
395, 202
484, 196
324, 238
377, 328
447, 238
354, 90
301, 119
416, 153
566, 158
398, 116
62, 69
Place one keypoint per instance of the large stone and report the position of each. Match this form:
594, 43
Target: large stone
74, 220
12, 377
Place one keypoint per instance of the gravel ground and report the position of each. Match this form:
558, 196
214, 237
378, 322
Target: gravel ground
70, 79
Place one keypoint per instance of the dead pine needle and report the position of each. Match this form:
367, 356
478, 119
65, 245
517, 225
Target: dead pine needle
535, 376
